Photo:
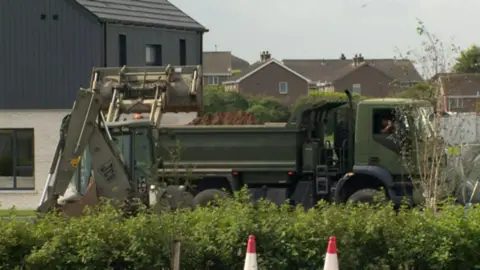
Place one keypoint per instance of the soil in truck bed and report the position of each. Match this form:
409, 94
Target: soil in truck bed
225, 118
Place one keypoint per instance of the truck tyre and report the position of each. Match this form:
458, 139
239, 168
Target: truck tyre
364, 196
208, 195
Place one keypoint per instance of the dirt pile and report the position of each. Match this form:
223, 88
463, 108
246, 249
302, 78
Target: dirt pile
225, 118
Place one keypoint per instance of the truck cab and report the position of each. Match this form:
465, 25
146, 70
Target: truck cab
377, 157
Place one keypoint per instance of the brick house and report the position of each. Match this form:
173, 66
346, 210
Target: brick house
369, 77
269, 77
458, 92
220, 66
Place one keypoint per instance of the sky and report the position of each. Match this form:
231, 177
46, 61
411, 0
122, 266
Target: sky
323, 29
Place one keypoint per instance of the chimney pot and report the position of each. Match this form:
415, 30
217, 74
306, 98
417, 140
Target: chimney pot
360, 58
355, 60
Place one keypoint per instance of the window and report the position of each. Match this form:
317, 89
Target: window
122, 50
183, 52
383, 121
153, 55
17, 159
357, 88
283, 88
212, 80
455, 103
406, 85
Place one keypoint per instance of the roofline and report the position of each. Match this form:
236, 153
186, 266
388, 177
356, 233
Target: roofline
204, 29
273, 60
83, 9
364, 64
163, 26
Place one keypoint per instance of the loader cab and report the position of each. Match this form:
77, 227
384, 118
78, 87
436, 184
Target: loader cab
134, 142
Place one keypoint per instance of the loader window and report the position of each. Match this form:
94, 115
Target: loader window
143, 150
123, 142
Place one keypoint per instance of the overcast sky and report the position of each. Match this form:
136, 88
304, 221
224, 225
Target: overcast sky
326, 28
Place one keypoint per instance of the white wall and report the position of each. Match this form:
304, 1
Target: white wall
46, 125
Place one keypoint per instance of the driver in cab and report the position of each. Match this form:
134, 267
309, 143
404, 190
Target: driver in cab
387, 126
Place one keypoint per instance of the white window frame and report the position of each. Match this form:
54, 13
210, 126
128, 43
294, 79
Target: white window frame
283, 88
357, 86
213, 80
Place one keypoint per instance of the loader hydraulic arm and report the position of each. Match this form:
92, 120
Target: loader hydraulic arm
114, 95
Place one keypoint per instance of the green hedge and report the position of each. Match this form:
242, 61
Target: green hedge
215, 238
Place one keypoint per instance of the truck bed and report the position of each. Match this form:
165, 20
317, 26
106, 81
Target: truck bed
228, 148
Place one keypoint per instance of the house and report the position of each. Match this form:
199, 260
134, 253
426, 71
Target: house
220, 66
459, 92
369, 77
269, 77
47, 53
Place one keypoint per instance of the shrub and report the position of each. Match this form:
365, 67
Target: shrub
215, 238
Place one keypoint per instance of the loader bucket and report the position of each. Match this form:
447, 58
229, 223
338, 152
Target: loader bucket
152, 90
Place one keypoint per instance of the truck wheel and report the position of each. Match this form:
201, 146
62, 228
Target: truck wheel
208, 195
364, 196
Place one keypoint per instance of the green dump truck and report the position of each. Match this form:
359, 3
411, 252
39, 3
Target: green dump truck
293, 162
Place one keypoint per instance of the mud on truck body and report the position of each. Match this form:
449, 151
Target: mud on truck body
294, 161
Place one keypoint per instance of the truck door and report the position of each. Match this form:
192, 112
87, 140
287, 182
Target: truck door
384, 151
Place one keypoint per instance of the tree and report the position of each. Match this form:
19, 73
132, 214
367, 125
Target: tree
468, 61
216, 99
268, 109
421, 90
425, 139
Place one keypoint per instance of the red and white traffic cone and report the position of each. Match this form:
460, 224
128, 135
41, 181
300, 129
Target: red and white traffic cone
331, 259
251, 257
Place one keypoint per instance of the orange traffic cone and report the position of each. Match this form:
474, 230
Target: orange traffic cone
251, 258
331, 259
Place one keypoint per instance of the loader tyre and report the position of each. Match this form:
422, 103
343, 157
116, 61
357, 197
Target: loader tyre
208, 195
173, 198
364, 196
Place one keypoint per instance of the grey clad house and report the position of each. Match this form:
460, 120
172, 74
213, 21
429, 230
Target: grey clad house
47, 51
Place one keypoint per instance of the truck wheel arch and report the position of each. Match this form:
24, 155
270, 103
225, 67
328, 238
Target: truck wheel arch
215, 181
377, 177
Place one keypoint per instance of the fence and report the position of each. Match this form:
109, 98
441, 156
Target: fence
461, 128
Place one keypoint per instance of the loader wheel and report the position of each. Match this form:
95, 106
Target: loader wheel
208, 195
172, 198
364, 196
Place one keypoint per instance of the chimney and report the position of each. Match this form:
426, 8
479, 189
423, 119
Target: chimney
262, 56
267, 56
360, 59
355, 60
342, 57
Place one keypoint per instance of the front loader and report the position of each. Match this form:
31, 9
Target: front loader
111, 123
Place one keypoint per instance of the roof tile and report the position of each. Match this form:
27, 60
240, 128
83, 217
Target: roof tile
461, 84
332, 69
149, 12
